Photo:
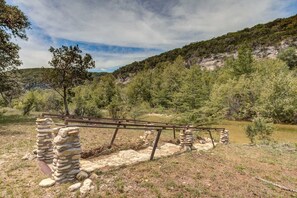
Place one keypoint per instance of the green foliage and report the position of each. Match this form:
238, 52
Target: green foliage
289, 56
117, 107
136, 111
13, 23
69, 70
139, 89
29, 101
84, 102
242, 64
260, 129
194, 90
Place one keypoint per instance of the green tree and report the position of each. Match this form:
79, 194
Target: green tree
194, 90
105, 90
70, 69
13, 24
139, 89
289, 56
168, 82
243, 63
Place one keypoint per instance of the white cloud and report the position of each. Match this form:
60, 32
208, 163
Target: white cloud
140, 23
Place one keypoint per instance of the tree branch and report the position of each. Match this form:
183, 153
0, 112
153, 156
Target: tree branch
277, 185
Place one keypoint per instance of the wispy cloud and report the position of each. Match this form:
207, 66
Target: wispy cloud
117, 32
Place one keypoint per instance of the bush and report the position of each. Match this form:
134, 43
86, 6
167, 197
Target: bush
259, 129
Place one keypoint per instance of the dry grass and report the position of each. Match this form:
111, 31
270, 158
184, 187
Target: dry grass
226, 171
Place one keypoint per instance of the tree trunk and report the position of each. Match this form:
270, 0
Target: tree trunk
6, 102
65, 101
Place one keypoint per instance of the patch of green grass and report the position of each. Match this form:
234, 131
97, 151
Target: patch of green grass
170, 185
8, 119
151, 186
120, 184
195, 192
240, 168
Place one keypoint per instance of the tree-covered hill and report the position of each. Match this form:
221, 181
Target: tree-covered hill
32, 78
257, 38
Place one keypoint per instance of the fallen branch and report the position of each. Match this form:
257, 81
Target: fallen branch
277, 185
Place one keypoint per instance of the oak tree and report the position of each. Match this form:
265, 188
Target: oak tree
70, 68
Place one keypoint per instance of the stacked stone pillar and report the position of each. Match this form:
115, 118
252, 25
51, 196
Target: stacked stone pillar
186, 139
224, 137
67, 152
148, 137
44, 140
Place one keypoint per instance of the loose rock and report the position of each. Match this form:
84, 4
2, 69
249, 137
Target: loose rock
47, 182
74, 187
29, 156
87, 187
82, 175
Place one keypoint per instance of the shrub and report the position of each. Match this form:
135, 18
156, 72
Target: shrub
260, 129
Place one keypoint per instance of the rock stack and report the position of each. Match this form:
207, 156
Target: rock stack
44, 140
186, 139
224, 137
67, 152
148, 137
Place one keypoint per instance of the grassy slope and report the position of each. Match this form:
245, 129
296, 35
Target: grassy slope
223, 172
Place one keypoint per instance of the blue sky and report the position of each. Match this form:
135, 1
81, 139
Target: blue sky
118, 32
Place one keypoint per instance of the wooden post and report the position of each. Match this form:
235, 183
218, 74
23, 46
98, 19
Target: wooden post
211, 138
114, 135
173, 132
156, 143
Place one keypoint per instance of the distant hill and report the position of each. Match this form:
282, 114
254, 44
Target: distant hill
265, 40
32, 78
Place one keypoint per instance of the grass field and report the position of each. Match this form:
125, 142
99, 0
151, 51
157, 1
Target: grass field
282, 133
226, 171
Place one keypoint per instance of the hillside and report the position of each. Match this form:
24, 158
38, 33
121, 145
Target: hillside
265, 40
32, 78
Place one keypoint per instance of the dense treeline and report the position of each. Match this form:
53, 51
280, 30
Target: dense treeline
33, 78
262, 35
243, 89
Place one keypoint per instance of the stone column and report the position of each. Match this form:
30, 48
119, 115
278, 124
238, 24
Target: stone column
224, 137
67, 152
44, 140
186, 139
148, 137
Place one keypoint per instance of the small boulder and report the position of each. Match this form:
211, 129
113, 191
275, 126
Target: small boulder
34, 152
28, 156
74, 187
47, 182
82, 175
86, 187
